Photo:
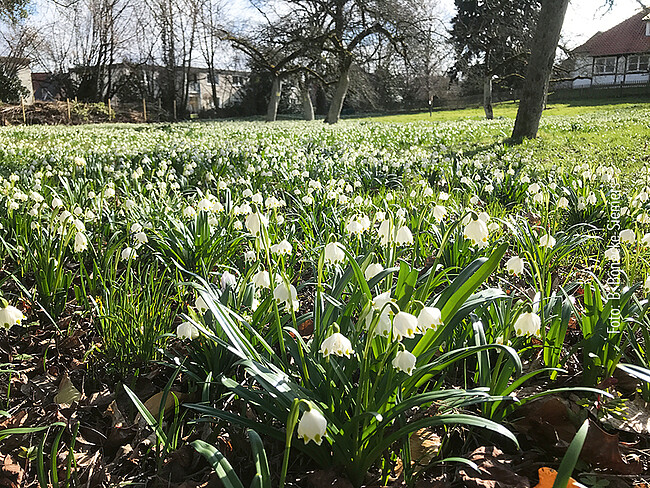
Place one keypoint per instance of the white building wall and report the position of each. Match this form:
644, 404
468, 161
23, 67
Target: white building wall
24, 75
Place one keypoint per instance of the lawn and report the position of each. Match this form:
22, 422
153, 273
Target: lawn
389, 301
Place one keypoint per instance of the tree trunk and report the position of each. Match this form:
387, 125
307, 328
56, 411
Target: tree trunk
336, 105
540, 66
487, 97
274, 100
307, 105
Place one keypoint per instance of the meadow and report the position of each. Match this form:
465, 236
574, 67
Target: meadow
395, 301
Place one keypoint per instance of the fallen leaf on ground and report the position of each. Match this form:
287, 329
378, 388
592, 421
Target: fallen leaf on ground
637, 417
547, 478
494, 471
153, 404
11, 474
67, 394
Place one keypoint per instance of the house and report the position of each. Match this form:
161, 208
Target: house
228, 88
618, 56
21, 68
45, 87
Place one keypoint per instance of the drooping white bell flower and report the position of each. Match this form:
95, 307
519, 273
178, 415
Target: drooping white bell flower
547, 241
404, 236
515, 265
228, 280
385, 232
439, 213
429, 318
261, 279
528, 324
334, 253
80, 242
312, 426
128, 253
255, 222
563, 203
287, 295
338, 345
404, 325
200, 305
613, 255
404, 361
627, 236
10, 316
187, 330
372, 270
477, 232
282, 248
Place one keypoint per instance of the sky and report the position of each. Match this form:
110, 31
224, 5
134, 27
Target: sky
584, 18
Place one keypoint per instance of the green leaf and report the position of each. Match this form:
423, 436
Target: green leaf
570, 459
219, 463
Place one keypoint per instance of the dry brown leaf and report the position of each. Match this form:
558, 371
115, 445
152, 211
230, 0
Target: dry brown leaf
547, 478
494, 471
424, 445
153, 404
67, 394
11, 474
637, 417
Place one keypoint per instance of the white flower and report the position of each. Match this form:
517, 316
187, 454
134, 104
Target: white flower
439, 213
404, 236
228, 280
141, 238
404, 361
373, 270
254, 223
187, 330
128, 253
10, 316
334, 253
337, 344
528, 324
591, 199
477, 232
80, 242
515, 265
404, 325
645, 240
261, 279
627, 236
189, 212
547, 241
429, 318
613, 255
288, 295
646, 284
563, 203
200, 305
282, 248
385, 232
312, 426
534, 188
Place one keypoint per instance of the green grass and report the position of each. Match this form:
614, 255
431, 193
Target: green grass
509, 110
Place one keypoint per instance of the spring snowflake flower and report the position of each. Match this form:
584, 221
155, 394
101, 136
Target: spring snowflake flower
477, 232
528, 324
228, 280
404, 361
140, 238
385, 232
187, 330
189, 212
261, 279
646, 285
613, 255
429, 318
563, 203
337, 344
515, 265
547, 241
627, 236
334, 253
287, 295
255, 222
10, 316
80, 242
404, 236
404, 325
534, 188
439, 213
200, 305
312, 426
128, 253
372, 270
282, 248
645, 240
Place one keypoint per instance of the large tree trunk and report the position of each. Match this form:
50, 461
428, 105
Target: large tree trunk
336, 105
487, 97
307, 105
540, 66
274, 100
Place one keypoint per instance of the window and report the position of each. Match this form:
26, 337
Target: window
604, 66
638, 62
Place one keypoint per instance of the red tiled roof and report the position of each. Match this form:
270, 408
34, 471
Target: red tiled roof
628, 37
